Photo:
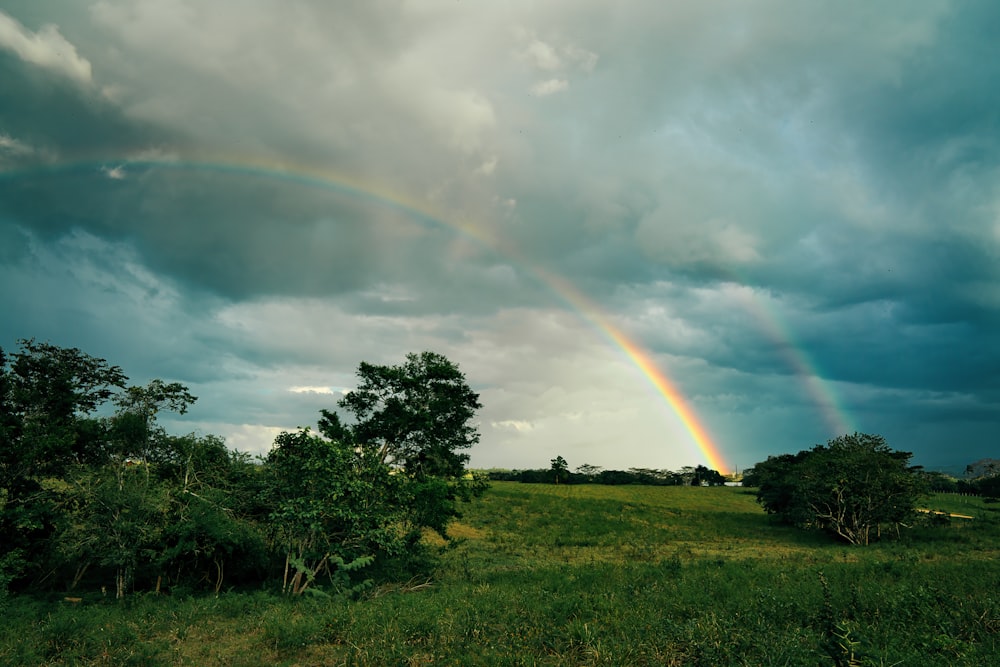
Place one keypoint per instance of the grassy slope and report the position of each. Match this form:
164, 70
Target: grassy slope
589, 575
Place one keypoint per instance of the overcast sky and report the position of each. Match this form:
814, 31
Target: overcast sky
791, 209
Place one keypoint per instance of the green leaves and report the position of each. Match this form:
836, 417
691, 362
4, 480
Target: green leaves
416, 416
560, 469
853, 487
328, 502
88, 500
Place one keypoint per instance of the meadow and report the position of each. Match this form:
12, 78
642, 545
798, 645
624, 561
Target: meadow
583, 575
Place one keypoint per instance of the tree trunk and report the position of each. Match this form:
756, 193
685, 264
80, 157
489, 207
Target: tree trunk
218, 571
79, 575
284, 581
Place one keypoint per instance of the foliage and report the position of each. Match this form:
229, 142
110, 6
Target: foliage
940, 482
47, 395
703, 476
983, 468
44, 393
982, 479
559, 470
116, 503
329, 504
413, 420
715, 584
853, 487
415, 416
589, 474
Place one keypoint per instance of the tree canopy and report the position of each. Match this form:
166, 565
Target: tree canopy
416, 416
854, 487
560, 469
93, 491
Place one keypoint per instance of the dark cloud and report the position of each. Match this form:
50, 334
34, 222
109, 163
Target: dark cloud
792, 207
58, 119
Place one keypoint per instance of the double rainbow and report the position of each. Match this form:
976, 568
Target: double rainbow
587, 309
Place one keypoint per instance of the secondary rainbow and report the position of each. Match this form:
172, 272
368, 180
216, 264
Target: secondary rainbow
119, 169
823, 393
767, 314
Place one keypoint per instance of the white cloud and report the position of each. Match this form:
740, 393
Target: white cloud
256, 439
12, 147
114, 173
582, 58
462, 116
670, 236
488, 166
311, 390
543, 88
697, 147
47, 48
542, 55
556, 60
513, 425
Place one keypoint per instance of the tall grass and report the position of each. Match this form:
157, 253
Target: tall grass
594, 575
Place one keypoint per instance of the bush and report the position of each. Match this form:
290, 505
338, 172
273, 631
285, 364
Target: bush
854, 487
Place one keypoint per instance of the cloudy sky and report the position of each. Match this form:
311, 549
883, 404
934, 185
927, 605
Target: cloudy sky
789, 212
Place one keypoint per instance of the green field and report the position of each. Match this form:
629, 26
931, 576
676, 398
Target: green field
580, 575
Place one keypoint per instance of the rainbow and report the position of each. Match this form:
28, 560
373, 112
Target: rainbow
822, 392
589, 311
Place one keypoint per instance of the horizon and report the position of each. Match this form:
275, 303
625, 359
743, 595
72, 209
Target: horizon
653, 233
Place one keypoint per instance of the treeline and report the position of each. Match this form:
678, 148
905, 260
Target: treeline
688, 476
987, 486
95, 494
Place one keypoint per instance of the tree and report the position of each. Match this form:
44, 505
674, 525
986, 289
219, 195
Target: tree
47, 394
416, 416
86, 498
329, 505
704, 476
134, 423
560, 469
208, 534
983, 468
853, 487
117, 520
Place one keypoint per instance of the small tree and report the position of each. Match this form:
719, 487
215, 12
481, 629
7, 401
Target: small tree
853, 487
415, 419
704, 476
329, 507
560, 469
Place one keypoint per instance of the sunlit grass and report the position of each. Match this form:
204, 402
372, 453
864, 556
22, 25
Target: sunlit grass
618, 524
585, 575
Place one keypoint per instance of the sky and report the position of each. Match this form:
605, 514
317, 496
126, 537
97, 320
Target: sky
650, 234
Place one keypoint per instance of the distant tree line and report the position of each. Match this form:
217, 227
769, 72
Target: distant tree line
982, 478
559, 473
94, 493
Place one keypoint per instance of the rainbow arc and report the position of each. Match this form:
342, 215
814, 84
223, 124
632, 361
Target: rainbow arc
586, 308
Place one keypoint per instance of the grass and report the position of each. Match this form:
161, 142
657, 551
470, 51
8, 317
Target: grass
586, 575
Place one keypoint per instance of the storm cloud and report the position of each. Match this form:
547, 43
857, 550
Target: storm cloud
792, 208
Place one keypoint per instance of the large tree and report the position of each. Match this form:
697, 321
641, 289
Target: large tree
47, 396
417, 416
854, 487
